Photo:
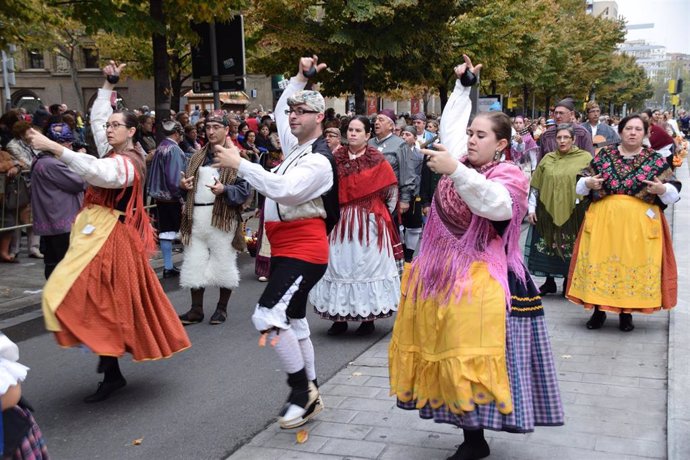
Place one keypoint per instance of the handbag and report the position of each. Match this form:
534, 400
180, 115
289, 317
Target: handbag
17, 194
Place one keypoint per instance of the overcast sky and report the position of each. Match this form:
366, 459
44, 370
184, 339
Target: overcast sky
671, 20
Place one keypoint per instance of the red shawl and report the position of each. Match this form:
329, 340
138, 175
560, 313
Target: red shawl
363, 186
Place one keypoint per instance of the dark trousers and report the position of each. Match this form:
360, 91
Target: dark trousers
54, 248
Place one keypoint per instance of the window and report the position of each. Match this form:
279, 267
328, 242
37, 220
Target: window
36, 59
90, 58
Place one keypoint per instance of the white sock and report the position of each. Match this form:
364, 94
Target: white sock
308, 356
288, 349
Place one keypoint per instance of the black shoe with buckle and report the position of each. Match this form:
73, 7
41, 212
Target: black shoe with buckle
105, 389
172, 273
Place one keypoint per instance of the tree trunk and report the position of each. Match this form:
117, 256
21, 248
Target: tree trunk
161, 71
425, 99
525, 97
360, 98
443, 95
74, 75
175, 81
548, 103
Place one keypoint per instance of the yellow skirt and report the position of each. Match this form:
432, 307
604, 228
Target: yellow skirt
618, 261
451, 353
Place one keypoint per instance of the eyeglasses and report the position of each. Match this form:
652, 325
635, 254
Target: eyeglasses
113, 125
299, 112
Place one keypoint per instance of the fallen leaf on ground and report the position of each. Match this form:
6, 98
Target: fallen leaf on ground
566, 356
302, 436
356, 374
137, 442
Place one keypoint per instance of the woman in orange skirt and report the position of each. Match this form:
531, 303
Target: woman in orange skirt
104, 294
623, 258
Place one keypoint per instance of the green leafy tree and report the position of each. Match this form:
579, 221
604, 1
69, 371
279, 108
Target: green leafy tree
372, 46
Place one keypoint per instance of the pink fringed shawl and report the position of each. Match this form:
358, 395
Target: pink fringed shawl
455, 238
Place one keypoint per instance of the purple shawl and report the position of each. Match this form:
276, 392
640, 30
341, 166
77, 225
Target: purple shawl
454, 237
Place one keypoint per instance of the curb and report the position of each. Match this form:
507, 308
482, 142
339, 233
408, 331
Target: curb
678, 405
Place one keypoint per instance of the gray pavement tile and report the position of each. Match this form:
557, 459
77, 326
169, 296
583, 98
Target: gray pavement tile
350, 390
380, 371
287, 440
262, 453
408, 437
506, 450
395, 452
344, 378
380, 382
636, 428
342, 430
337, 415
625, 404
627, 446
372, 361
363, 404
660, 383
610, 379
352, 448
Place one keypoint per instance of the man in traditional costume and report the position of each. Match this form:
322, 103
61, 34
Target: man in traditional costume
211, 225
301, 207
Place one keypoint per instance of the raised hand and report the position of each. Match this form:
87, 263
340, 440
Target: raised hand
306, 64
440, 160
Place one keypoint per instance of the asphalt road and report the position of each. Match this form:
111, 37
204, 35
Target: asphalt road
203, 403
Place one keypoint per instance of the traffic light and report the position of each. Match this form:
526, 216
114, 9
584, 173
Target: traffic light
675, 99
671, 87
679, 86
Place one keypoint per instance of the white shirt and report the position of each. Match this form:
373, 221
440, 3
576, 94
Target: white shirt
484, 197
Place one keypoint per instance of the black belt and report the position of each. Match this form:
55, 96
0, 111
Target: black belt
204, 204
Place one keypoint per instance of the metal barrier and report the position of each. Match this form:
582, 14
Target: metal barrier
15, 197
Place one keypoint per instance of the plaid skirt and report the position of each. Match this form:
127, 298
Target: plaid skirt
32, 446
531, 371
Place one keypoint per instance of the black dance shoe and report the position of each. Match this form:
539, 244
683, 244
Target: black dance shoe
172, 273
193, 316
597, 319
625, 322
105, 389
338, 328
549, 287
473, 451
365, 328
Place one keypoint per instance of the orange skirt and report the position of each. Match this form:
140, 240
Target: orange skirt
117, 305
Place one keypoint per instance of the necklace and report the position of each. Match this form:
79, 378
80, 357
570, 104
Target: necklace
359, 153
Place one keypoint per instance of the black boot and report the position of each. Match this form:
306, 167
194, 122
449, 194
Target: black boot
597, 320
565, 286
220, 315
625, 322
304, 394
473, 448
337, 328
193, 316
549, 286
112, 381
365, 328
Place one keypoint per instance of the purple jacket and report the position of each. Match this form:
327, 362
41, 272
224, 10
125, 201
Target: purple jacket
56, 195
163, 182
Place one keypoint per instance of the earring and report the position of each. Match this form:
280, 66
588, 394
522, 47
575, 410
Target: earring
497, 155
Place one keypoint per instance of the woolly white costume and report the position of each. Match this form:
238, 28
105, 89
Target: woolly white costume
209, 259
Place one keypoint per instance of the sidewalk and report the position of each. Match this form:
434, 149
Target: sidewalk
615, 389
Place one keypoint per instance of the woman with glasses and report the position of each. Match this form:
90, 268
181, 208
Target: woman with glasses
555, 210
104, 295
